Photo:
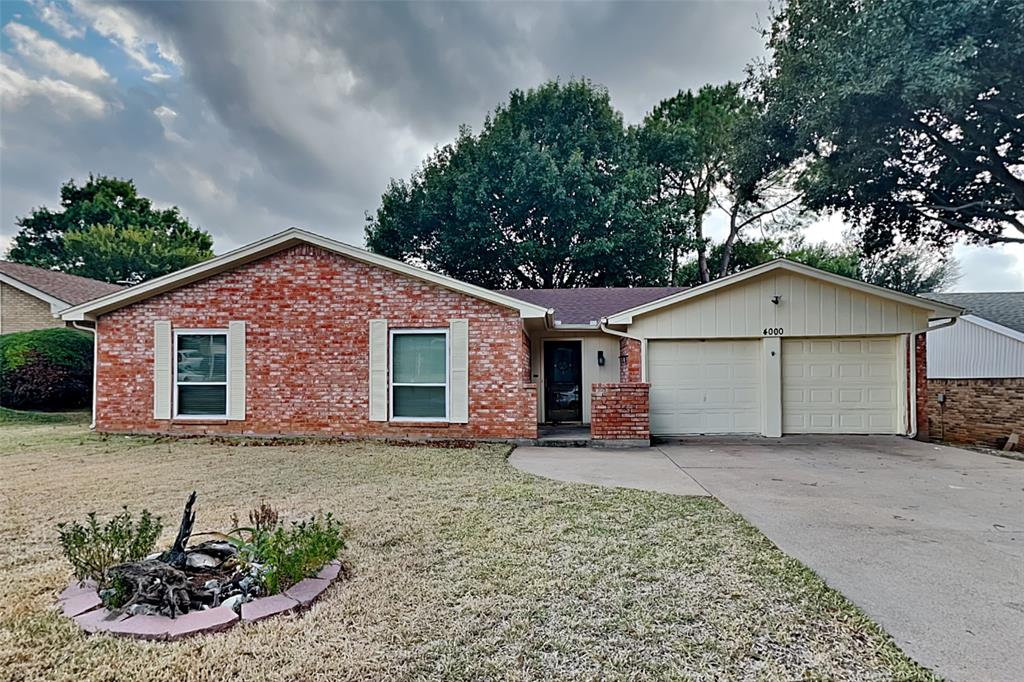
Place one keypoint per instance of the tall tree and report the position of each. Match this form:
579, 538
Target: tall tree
551, 193
909, 113
905, 268
106, 231
710, 152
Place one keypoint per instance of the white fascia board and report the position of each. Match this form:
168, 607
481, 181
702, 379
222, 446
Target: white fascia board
939, 310
56, 305
279, 242
994, 326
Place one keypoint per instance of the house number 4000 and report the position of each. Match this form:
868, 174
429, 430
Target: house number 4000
773, 331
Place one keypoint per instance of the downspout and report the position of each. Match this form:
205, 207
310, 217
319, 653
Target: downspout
643, 345
95, 359
913, 371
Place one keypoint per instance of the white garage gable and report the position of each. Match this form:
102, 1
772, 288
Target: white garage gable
781, 348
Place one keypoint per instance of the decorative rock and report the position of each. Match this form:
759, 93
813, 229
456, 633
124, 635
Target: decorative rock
76, 588
234, 603
265, 607
200, 560
330, 571
305, 591
97, 620
80, 603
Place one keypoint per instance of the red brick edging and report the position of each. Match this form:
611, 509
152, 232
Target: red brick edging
80, 602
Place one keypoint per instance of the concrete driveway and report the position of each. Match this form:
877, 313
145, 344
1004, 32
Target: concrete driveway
928, 540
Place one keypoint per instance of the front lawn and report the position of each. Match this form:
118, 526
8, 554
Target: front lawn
465, 568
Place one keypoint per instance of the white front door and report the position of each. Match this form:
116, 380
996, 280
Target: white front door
843, 385
704, 386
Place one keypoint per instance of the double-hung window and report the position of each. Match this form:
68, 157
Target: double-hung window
200, 373
419, 375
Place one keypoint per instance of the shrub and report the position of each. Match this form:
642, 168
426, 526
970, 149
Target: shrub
91, 548
287, 555
291, 554
46, 369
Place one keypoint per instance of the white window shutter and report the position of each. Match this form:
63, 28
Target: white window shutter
236, 371
458, 389
162, 365
378, 370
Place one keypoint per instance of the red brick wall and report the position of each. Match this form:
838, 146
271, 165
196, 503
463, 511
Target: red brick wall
307, 313
921, 367
983, 411
630, 365
620, 412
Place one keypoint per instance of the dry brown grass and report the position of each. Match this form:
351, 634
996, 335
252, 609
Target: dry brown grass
464, 569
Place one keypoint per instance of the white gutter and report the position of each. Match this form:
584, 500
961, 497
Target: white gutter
913, 371
643, 345
95, 359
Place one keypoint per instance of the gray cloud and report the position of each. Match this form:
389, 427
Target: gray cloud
299, 113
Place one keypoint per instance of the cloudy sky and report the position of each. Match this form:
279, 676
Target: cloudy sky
254, 117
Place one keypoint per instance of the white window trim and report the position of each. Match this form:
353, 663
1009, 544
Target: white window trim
447, 374
227, 375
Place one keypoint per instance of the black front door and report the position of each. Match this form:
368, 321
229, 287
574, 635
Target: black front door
563, 382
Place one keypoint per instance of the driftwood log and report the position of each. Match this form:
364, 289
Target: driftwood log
176, 556
180, 580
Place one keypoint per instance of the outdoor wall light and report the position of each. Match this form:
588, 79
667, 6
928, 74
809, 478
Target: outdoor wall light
776, 298
600, 358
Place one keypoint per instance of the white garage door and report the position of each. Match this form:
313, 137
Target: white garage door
840, 385
704, 386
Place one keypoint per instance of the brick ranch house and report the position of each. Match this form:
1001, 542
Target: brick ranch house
298, 334
31, 297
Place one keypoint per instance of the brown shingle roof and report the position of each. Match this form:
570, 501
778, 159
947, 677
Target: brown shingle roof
583, 306
71, 289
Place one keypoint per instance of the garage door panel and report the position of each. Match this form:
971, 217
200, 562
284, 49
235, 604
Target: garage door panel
858, 395
705, 387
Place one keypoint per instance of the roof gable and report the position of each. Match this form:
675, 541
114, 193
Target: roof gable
273, 244
59, 289
938, 309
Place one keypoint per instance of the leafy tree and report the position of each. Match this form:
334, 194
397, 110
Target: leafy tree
551, 193
908, 113
106, 231
908, 269
710, 150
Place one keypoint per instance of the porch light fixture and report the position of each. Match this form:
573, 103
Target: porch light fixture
600, 358
776, 298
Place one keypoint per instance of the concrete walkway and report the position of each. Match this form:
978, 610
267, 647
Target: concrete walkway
647, 469
928, 540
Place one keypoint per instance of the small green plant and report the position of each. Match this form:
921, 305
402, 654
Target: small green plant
291, 554
93, 547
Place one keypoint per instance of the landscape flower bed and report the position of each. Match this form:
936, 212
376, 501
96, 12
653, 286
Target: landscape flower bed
251, 573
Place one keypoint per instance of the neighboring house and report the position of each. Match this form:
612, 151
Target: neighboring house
976, 370
300, 334
30, 297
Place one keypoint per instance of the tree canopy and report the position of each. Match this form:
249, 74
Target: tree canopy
106, 231
908, 113
550, 193
910, 270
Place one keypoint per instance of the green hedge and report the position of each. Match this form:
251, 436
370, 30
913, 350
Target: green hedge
46, 369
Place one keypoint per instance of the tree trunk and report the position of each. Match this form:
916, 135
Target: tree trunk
730, 241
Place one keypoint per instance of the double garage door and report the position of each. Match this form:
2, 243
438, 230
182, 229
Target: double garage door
843, 385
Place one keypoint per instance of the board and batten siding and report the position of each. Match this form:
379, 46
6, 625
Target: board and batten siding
968, 350
807, 307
